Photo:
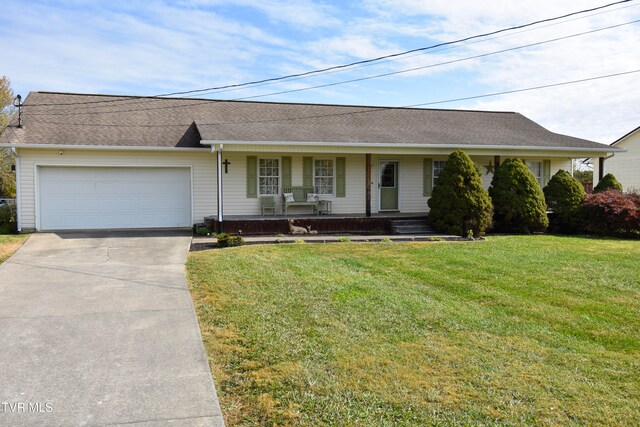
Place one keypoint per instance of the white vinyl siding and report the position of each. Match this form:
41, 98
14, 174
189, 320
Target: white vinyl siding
323, 176
236, 202
624, 166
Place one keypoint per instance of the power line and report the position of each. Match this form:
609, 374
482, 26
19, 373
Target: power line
392, 73
345, 81
423, 53
367, 110
506, 92
361, 62
393, 55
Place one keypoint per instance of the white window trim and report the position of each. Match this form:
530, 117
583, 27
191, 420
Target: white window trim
333, 175
433, 171
258, 176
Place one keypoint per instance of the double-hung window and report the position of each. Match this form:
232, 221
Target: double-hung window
536, 169
323, 176
269, 176
438, 166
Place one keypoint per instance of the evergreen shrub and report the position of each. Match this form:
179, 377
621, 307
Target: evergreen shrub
518, 200
563, 195
459, 204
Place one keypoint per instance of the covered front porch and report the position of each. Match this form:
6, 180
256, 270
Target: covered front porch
344, 188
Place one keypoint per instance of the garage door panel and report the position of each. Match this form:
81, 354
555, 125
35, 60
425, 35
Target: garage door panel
102, 197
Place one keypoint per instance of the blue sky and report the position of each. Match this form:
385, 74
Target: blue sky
152, 47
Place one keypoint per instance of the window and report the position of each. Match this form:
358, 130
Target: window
438, 165
323, 176
536, 169
269, 176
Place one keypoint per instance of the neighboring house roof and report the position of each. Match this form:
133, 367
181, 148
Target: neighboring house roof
120, 121
625, 136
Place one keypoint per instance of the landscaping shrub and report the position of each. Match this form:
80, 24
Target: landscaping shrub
8, 222
608, 182
204, 231
518, 200
226, 241
611, 212
459, 204
563, 195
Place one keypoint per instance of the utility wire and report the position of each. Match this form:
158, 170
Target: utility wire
418, 53
367, 110
366, 61
341, 82
392, 73
393, 55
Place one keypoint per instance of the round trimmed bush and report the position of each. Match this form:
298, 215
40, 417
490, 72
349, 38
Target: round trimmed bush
459, 204
563, 195
608, 182
518, 201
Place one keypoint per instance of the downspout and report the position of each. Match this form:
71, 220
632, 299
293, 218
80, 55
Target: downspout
17, 201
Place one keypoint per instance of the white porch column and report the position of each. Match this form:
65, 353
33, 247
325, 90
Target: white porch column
220, 207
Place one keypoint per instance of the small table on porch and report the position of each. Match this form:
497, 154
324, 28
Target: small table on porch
324, 207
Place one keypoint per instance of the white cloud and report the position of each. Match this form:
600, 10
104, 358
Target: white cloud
600, 110
111, 49
301, 13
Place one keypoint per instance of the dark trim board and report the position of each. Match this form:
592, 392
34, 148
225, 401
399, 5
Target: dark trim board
379, 224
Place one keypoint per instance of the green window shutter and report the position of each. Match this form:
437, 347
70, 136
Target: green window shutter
427, 178
252, 177
307, 171
341, 175
286, 171
546, 172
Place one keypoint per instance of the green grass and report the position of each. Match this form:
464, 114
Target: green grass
533, 330
9, 243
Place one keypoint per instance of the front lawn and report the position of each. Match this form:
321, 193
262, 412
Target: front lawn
9, 243
515, 330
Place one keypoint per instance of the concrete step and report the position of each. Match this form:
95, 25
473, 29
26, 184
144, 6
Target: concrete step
410, 226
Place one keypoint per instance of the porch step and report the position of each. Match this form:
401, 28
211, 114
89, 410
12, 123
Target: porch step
410, 226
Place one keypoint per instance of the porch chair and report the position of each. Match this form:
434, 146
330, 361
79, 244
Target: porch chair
267, 203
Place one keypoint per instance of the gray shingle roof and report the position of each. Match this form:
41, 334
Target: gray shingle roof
104, 120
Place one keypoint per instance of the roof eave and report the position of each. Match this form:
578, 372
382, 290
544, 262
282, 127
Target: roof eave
102, 147
605, 148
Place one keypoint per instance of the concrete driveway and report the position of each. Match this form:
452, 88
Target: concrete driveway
99, 329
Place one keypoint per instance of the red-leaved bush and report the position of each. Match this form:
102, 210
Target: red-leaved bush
611, 213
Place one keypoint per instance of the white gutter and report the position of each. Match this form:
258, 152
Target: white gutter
101, 147
605, 148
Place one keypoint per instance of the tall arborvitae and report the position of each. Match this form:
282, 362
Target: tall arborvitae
459, 204
518, 201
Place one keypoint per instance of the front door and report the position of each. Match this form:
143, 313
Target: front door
388, 186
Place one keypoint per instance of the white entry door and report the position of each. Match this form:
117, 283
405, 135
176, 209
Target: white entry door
86, 198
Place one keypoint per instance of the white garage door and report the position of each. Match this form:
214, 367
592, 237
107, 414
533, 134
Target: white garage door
105, 198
